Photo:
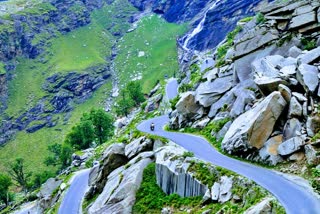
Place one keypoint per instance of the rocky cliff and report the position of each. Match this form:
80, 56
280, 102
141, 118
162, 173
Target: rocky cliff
267, 81
212, 20
117, 179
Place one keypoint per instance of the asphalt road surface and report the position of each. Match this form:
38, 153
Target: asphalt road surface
71, 202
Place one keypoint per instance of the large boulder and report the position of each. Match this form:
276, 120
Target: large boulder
310, 56
209, 92
303, 19
291, 128
290, 146
313, 125
269, 152
187, 104
253, 128
311, 155
307, 75
46, 193
225, 190
153, 103
138, 145
118, 195
295, 109
113, 157
173, 175
262, 207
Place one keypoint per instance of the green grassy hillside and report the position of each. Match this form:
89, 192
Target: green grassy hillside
77, 51
155, 41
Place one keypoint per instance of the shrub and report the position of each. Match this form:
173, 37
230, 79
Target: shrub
260, 18
174, 102
308, 44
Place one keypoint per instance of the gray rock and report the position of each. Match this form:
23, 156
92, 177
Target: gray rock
48, 187
157, 144
262, 207
207, 196
118, 195
298, 156
269, 152
310, 56
166, 210
263, 67
244, 97
311, 155
201, 123
285, 92
187, 104
253, 128
253, 41
113, 157
209, 92
303, 19
295, 109
225, 192
226, 100
173, 175
267, 85
291, 128
223, 131
290, 146
288, 71
138, 145
211, 75
215, 191
294, 52
153, 103
300, 97
121, 122
313, 125
307, 75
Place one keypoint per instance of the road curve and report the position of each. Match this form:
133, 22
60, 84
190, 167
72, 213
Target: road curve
295, 199
71, 203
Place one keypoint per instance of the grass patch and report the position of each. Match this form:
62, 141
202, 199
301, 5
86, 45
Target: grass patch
2, 68
223, 49
32, 147
151, 199
154, 40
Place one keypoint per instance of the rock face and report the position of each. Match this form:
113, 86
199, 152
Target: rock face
290, 146
45, 195
173, 177
209, 92
253, 128
187, 106
222, 18
118, 195
307, 75
262, 207
113, 157
139, 145
269, 152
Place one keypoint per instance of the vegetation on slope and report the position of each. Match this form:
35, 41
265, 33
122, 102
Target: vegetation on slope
149, 51
76, 51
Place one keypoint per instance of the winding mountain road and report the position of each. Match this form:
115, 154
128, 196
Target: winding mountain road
71, 203
293, 197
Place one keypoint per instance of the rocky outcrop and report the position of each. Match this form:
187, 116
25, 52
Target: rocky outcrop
46, 194
137, 146
173, 176
216, 18
262, 207
113, 157
118, 195
253, 128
